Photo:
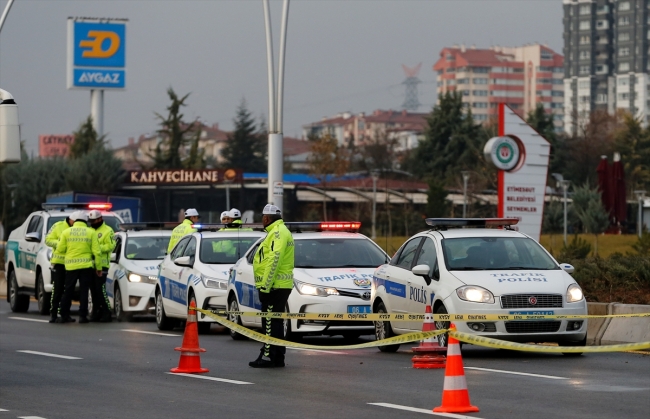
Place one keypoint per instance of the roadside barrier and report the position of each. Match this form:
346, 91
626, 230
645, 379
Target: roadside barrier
190, 361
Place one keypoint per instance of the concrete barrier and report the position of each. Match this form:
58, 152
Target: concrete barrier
622, 330
596, 327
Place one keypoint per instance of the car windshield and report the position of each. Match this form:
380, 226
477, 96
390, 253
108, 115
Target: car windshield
113, 222
338, 253
492, 253
219, 250
146, 248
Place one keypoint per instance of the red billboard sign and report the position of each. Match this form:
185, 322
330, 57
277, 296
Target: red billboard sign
54, 145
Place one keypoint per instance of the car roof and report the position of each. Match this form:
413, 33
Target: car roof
229, 234
479, 232
327, 235
147, 233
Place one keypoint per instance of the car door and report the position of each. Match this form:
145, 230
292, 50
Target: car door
398, 280
173, 294
186, 272
26, 263
113, 275
244, 280
420, 292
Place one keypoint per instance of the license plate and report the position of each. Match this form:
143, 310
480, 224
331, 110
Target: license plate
359, 309
534, 313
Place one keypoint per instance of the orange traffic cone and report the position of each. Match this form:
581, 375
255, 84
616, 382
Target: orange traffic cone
429, 354
190, 361
455, 397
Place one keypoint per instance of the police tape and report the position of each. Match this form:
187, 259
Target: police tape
420, 317
501, 344
411, 337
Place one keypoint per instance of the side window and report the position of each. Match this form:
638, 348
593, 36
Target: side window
190, 250
428, 256
251, 254
180, 247
33, 224
406, 256
118, 248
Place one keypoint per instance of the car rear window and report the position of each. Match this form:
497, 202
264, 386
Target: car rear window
146, 248
224, 250
495, 253
337, 253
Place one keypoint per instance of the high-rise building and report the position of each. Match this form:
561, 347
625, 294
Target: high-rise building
521, 77
605, 59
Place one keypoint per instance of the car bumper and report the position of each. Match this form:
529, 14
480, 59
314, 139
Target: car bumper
210, 299
333, 304
551, 330
138, 297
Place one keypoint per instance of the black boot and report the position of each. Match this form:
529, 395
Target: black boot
262, 362
66, 319
53, 318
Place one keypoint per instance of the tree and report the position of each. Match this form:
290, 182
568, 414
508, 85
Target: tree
327, 159
437, 204
553, 220
589, 209
633, 142
246, 146
86, 139
173, 132
98, 171
196, 158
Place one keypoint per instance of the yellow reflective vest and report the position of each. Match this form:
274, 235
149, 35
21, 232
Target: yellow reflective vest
80, 246
52, 240
106, 239
183, 229
273, 262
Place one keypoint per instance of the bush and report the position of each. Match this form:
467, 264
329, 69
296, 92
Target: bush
578, 248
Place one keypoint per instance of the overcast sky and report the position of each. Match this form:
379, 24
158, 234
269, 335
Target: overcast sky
343, 55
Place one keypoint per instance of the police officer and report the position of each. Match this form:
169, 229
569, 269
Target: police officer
57, 263
232, 220
82, 256
273, 270
105, 237
184, 228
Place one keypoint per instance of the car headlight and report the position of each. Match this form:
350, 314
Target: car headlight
475, 294
574, 293
209, 282
148, 279
308, 289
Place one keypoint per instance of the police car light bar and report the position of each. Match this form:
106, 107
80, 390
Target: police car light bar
324, 226
443, 223
100, 206
156, 225
104, 206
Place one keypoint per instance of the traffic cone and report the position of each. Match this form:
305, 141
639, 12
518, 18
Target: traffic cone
429, 354
455, 397
190, 361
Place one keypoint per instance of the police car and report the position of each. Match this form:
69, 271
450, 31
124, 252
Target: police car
132, 276
27, 257
479, 271
197, 269
332, 274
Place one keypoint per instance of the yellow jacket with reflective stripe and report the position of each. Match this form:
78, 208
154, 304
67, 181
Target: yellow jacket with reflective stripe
273, 262
52, 240
80, 246
106, 239
183, 229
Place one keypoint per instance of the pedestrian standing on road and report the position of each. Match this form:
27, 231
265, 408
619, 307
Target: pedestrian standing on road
57, 265
105, 237
184, 228
80, 248
273, 270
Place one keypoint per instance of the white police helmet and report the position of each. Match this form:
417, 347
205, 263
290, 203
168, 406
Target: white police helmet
234, 213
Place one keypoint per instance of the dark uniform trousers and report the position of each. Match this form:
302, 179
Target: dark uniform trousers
101, 305
58, 285
84, 276
274, 301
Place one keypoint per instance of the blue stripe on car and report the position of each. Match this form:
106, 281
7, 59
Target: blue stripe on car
391, 287
172, 290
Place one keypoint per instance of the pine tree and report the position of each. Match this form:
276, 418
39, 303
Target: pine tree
98, 171
173, 131
437, 204
246, 146
86, 139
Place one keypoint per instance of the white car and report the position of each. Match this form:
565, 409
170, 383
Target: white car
332, 274
479, 271
132, 276
27, 257
197, 269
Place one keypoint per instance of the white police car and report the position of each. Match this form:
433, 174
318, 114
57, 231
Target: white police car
479, 271
132, 277
332, 274
197, 269
27, 257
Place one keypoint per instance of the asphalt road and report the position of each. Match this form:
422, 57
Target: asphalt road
118, 373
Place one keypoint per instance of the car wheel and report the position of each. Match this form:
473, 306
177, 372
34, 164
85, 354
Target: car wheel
383, 330
19, 303
162, 321
203, 327
582, 342
444, 338
90, 303
122, 316
289, 334
42, 297
233, 306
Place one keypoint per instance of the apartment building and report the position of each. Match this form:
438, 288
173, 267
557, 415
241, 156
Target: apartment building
606, 45
521, 77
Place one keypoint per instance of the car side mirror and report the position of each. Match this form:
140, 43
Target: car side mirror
423, 271
113, 257
33, 237
183, 261
567, 268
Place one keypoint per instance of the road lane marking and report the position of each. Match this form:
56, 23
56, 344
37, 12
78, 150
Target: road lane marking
3, 410
318, 350
48, 354
205, 377
30, 417
552, 377
151, 333
425, 411
29, 320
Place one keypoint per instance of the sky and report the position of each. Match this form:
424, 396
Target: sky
342, 55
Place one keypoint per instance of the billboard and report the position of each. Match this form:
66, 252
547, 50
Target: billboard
96, 53
54, 145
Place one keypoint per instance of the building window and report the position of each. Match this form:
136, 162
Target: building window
585, 10
451, 82
508, 82
600, 69
623, 96
624, 67
451, 70
479, 105
585, 40
601, 24
623, 81
546, 55
440, 72
557, 105
462, 81
585, 55
465, 92
584, 84
557, 93
623, 21
480, 92
623, 52
585, 25
450, 57
623, 36
481, 70
601, 98
648, 35
558, 69
480, 117
507, 93
543, 93
584, 69
480, 81
602, 9
624, 5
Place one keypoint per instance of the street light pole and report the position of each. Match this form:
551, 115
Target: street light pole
640, 196
375, 177
5, 13
465, 174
